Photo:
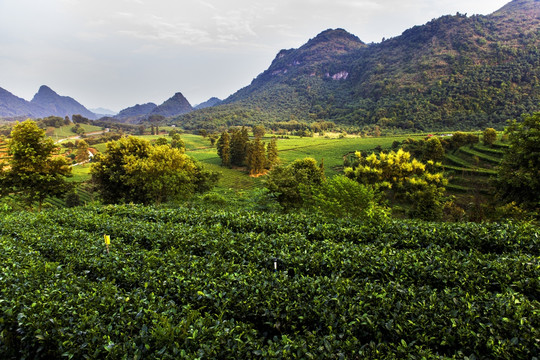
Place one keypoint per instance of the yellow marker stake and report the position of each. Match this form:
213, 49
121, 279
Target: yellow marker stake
107, 242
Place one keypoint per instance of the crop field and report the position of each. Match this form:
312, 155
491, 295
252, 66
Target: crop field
192, 283
470, 168
65, 131
332, 150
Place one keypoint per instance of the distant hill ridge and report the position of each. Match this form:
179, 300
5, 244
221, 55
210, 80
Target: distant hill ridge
45, 103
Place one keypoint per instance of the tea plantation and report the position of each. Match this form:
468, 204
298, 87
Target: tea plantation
193, 283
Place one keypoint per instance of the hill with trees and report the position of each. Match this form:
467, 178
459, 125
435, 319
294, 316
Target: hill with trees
455, 72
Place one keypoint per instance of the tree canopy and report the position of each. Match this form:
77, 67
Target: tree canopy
518, 177
32, 172
131, 170
286, 181
404, 179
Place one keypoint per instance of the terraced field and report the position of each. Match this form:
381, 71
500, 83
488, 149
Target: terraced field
470, 168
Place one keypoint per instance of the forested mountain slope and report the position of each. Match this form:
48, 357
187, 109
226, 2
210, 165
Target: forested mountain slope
455, 72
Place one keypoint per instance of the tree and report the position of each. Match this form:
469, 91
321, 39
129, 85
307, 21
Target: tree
239, 140
258, 131
131, 170
161, 141
178, 143
403, 179
109, 173
82, 151
518, 177
433, 150
32, 172
344, 197
272, 153
256, 157
224, 149
490, 135
285, 181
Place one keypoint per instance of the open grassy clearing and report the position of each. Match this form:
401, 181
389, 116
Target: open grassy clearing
332, 150
80, 173
65, 131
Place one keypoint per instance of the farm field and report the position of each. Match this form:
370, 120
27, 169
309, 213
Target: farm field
65, 131
193, 283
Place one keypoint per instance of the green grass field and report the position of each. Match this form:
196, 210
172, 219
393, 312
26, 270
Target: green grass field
332, 150
65, 131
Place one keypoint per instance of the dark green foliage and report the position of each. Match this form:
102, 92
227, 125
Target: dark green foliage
192, 283
239, 142
224, 149
72, 199
342, 197
53, 121
256, 157
272, 153
177, 142
286, 181
109, 172
518, 177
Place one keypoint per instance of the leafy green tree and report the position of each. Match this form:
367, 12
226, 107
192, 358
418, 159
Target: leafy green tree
256, 157
490, 135
109, 173
285, 181
518, 177
344, 197
403, 179
166, 174
161, 141
224, 149
239, 140
82, 151
131, 170
258, 131
72, 199
272, 153
32, 172
178, 143
433, 150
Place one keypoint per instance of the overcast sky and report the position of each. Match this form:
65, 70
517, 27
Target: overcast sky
117, 53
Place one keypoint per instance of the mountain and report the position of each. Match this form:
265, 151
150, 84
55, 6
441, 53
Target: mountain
135, 112
45, 103
103, 111
455, 72
53, 104
12, 106
213, 101
174, 106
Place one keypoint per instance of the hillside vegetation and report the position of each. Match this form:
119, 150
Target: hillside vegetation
455, 72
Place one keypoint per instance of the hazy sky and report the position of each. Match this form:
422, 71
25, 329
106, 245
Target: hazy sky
117, 53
